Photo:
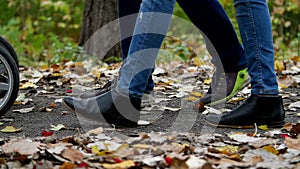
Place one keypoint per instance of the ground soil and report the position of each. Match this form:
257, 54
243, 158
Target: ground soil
33, 123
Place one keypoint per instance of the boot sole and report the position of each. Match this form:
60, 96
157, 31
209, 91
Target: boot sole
278, 124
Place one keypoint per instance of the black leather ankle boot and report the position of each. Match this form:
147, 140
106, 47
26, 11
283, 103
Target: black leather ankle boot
260, 109
108, 107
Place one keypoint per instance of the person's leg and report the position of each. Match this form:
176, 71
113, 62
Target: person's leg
211, 19
264, 106
127, 13
224, 47
256, 32
144, 47
121, 105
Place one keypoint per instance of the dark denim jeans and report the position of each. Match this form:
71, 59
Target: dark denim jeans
207, 15
256, 32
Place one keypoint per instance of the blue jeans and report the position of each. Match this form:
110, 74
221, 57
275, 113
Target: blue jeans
207, 15
256, 32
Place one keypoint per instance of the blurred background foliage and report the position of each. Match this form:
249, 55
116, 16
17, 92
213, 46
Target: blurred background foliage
47, 31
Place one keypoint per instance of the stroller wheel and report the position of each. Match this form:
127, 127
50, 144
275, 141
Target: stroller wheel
6, 45
9, 81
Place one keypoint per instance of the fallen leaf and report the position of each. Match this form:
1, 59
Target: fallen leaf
295, 130
111, 145
171, 108
263, 127
47, 133
11, 129
83, 165
57, 127
292, 143
156, 137
72, 155
211, 110
168, 160
236, 99
143, 123
123, 165
159, 72
69, 91
178, 164
228, 150
195, 163
21, 99
197, 94
288, 126
295, 105
270, 149
152, 161
279, 66
241, 137
23, 147
191, 98
27, 85
67, 165
24, 110
53, 105
96, 131
207, 81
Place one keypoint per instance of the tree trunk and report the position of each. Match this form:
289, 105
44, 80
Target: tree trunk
98, 13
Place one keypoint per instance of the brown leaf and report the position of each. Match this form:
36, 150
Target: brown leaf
53, 105
67, 165
292, 143
73, 155
178, 164
295, 130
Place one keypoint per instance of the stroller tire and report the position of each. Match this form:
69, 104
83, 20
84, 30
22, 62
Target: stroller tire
6, 45
9, 80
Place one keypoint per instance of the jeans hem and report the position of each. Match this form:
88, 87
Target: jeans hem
265, 91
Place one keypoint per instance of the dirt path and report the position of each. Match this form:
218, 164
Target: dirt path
37, 120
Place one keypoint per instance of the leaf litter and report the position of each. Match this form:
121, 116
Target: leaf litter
98, 149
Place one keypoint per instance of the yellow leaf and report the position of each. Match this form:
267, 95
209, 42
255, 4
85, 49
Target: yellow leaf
207, 81
282, 85
11, 129
123, 165
263, 127
270, 149
57, 75
95, 150
279, 66
197, 61
236, 99
27, 85
197, 94
191, 98
79, 64
228, 149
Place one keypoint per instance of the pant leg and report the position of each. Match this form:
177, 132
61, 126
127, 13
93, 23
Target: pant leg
130, 8
150, 29
125, 8
210, 17
256, 32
